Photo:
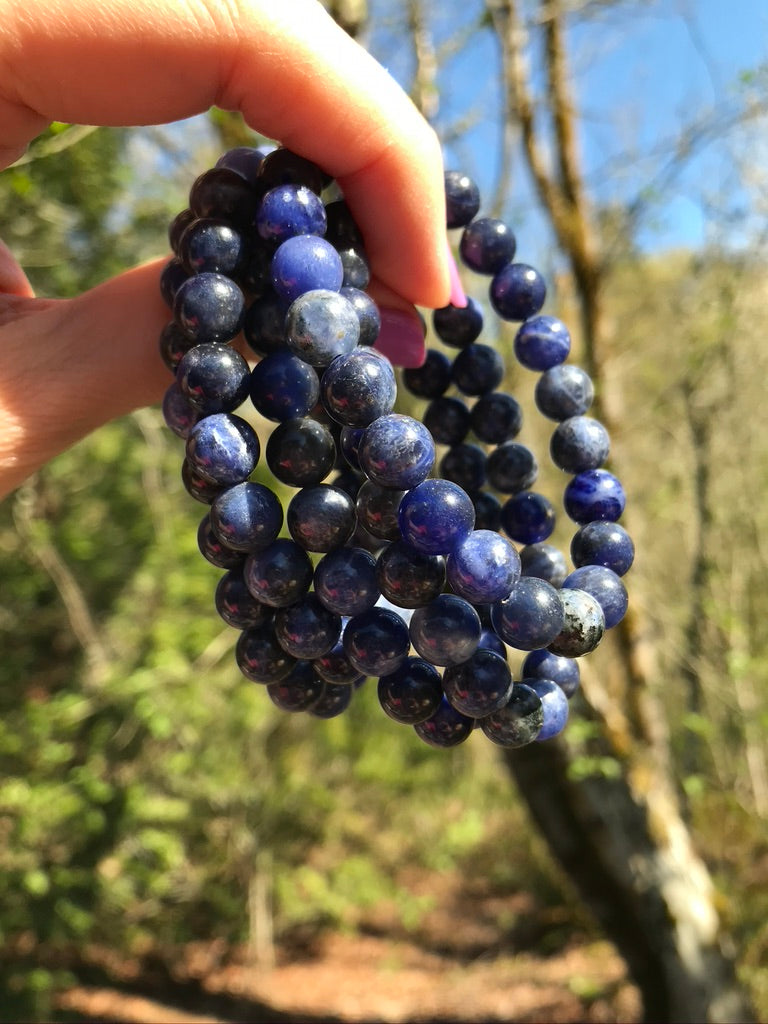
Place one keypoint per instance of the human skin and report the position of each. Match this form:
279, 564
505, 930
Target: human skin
69, 365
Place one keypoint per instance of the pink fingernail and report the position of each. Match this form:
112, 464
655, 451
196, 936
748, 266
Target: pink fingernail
458, 298
401, 338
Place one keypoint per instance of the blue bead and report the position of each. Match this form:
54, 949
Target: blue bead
283, 387
518, 722
554, 705
543, 664
594, 494
583, 624
542, 342
209, 307
247, 516
579, 443
263, 326
511, 467
464, 465
487, 510
244, 160
603, 543
446, 631
432, 378
335, 667
260, 657
377, 509
280, 574
236, 604
544, 561
489, 641
531, 617
480, 685
408, 578
436, 516
212, 246
528, 517
517, 292
197, 486
321, 325
172, 344
345, 581
605, 586
214, 550
462, 199
172, 277
447, 727
477, 370
178, 412
564, 391
487, 245
368, 315
284, 167
301, 452
321, 518
299, 691
397, 451
411, 693
307, 629
496, 418
376, 641
304, 263
357, 270
223, 193
223, 448
447, 419
289, 210
483, 568
459, 326
214, 377
358, 388
333, 701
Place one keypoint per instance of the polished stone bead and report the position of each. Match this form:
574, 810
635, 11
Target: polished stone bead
214, 378
335, 667
214, 550
531, 617
321, 518
462, 199
487, 510
397, 451
446, 631
264, 323
459, 326
223, 193
178, 412
483, 568
358, 388
172, 277
260, 657
583, 624
487, 245
304, 263
542, 342
480, 685
284, 387
477, 370
236, 604
209, 307
545, 562
173, 344
517, 291
528, 517
464, 465
377, 509
334, 701
376, 641
412, 692
307, 629
436, 516
496, 418
279, 575
594, 494
432, 378
213, 246
564, 391
301, 452
299, 691
345, 581
511, 467
579, 443
605, 586
197, 486
246, 517
447, 727
244, 160
543, 664
223, 448
554, 705
368, 315
447, 419
357, 270
489, 641
321, 325
284, 167
519, 721
287, 210
408, 578
603, 543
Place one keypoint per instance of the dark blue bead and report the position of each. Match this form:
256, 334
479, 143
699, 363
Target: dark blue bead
299, 691
304, 263
579, 443
368, 314
554, 705
280, 574
542, 342
178, 226
357, 272
213, 246
349, 445
545, 562
321, 518
197, 486
408, 578
264, 324
517, 292
459, 326
260, 657
237, 605
432, 378
477, 370
244, 160
214, 377
289, 210
487, 510
489, 641
511, 467
531, 617
376, 641
223, 448
223, 193
447, 419
462, 199
342, 229
397, 451
411, 693
284, 387
464, 465
447, 727
172, 277
564, 391
483, 568
605, 586
487, 245
321, 325
377, 509
519, 722
307, 629
301, 452
496, 418
345, 581
445, 631
178, 412
333, 701
543, 664
214, 550
528, 517
480, 685
172, 344
358, 388
246, 517
335, 667
436, 516
284, 167
209, 307
583, 624
594, 494
603, 543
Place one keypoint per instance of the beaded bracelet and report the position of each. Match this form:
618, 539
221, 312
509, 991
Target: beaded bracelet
419, 579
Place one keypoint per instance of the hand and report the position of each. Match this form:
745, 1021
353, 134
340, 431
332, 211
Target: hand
69, 365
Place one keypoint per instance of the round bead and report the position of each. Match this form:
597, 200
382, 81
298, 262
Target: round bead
214, 550
583, 624
412, 692
496, 418
377, 509
530, 617
487, 245
542, 342
335, 667
480, 685
357, 271
464, 465
376, 641
605, 587
178, 412
173, 343
543, 664
579, 443
173, 276
214, 378
528, 517
333, 701
446, 631
408, 578
397, 451
223, 448
554, 706
321, 518
307, 629
304, 263
432, 378
447, 419
345, 581
199, 488
263, 324
260, 657
511, 467
519, 721
517, 292
289, 210
321, 325
247, 516
212, 246
489, 641
483, 568
284, 387
545, 562
358, 388
284, 167
209, 307
477, 370
462, 198
487, 510
368, 315
436, 516
299, 691
564, 391
447, 727
594, 494
458, 326
223, 193
603, 543
280, 574
244, 160
236, 604
301, 452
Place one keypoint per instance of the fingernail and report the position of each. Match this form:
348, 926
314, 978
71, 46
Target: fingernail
401, 337
458, 298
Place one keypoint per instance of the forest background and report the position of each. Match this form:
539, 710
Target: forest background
151, 799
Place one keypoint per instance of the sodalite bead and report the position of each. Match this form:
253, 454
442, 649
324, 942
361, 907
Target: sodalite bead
335, 667
544, 561
511, 467
376, 641
358, 388
246, 517
408, 578
579, 443
478, 370
288, 210
307, 629
209, 307
304, 263
214, 377
436, 516
321, 325
604, 586
447, 727
260, 657
564, 391
397, 451
412, 692
280, 574
300, 689
528, 517
487, 245
446, 631
517, 292
321, 518
334, 701
531, 617
223, 448
594, 494
554, 705
543, 664
284, 386
483, 568
480, 685
459, 326
236, 604
178, 412
603, 543
542, 342
583, 625
377, 509
519, 721
345, 581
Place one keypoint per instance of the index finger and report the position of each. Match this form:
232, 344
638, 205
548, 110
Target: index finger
291, 71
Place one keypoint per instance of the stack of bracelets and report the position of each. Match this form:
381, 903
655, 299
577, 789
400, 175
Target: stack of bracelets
387, 569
